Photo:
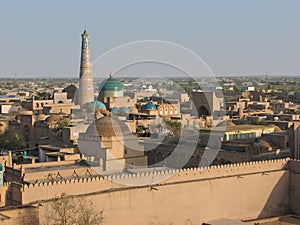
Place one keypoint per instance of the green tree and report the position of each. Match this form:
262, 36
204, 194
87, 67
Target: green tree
60, 124
11, 139
174, 126
140, 129
43, 96
256, 121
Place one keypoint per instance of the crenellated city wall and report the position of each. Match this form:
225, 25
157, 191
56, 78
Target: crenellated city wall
78, 186
240, 191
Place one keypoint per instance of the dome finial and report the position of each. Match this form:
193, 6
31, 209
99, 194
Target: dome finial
110, 75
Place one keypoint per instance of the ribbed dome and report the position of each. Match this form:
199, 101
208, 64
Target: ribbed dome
149, 106
53, 119
108, 126
110, 84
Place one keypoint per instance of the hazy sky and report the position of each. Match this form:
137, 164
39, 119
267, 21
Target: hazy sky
233, 37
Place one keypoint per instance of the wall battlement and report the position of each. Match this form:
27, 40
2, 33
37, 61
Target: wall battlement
167, 176
245, 191
212, 171
192, 173
86, 185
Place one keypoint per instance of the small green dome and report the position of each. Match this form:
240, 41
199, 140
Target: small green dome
111, 84
114, 110
99, 105
1, 168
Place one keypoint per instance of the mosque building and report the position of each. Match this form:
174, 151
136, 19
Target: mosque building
111, 93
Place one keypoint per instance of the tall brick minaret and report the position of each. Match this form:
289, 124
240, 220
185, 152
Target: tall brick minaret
86, 85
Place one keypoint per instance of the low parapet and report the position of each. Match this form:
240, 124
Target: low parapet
43, 164
189, 173
87, 185
167, 176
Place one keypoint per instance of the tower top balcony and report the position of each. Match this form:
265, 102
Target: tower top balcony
85, 34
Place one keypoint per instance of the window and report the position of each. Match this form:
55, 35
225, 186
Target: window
232, 136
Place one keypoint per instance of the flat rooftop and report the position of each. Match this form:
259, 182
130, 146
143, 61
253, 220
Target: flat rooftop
240, 127
41, 168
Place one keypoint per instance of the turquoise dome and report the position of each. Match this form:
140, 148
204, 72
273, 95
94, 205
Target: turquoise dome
1, 167
125, 109
149, 106
99, 105
111, 84
114, 110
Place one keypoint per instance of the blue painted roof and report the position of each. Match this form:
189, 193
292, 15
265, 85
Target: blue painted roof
125, 109
149, 106
110, 84
99, 105
114, 110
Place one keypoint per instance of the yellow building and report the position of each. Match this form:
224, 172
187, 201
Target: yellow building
169, 110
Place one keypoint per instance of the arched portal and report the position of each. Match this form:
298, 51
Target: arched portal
26, 133
203, 111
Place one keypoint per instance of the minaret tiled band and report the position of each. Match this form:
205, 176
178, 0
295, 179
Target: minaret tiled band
86, 85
